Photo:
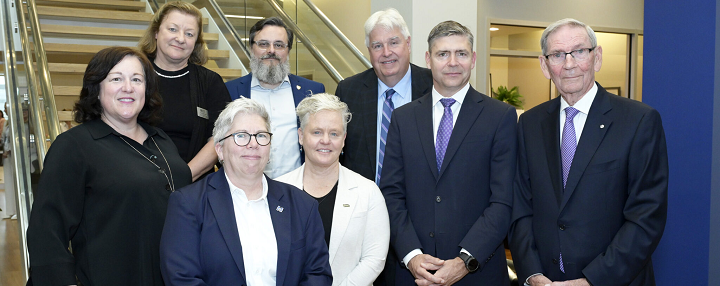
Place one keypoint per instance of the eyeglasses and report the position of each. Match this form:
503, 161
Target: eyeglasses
264, 45
243, 138
579, 55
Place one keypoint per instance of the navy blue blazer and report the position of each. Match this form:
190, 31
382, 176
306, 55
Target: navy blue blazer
301, 87
611, 215
467, 204
200, 243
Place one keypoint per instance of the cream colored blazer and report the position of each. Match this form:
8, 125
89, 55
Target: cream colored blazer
360, 234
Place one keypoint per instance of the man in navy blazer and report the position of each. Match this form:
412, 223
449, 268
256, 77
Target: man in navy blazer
201, 244
449, 213
590, 199
272, 84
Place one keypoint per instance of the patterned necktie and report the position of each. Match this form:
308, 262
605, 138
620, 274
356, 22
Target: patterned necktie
444, 131
567, 148
569, 142
388, 108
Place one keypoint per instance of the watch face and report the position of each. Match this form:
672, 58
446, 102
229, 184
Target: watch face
473, 264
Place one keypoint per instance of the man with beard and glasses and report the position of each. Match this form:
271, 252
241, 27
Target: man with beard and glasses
272, 84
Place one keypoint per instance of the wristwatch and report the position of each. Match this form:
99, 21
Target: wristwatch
470, 262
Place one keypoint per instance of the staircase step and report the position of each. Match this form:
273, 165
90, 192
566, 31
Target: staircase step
66, 90
93, 49
96, 4
101, 32
120, 16
80, 69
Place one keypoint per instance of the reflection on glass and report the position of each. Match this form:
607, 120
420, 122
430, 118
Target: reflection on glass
524, 73
516, 38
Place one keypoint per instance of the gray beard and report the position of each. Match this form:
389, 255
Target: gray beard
271, 74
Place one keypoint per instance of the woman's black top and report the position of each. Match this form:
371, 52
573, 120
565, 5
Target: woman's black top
325, 207
99, 193
183, 92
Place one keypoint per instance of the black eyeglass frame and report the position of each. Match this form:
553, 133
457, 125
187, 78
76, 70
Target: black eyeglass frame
274, 44
249, 140
547, 57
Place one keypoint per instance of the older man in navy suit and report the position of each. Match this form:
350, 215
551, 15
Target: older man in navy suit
448, 172
590, 200
272, 84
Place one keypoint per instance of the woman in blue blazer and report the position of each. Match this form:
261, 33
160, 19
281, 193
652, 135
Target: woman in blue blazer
238, 227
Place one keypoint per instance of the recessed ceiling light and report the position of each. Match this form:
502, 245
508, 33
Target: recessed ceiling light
494, 29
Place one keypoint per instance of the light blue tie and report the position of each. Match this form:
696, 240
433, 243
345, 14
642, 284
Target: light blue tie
388, 108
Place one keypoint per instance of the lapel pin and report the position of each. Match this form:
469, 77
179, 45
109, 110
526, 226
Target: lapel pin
346, 205
298, 87
279, 209
602, 126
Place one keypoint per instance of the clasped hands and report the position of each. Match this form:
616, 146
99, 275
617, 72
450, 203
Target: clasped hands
541, 280
447, 272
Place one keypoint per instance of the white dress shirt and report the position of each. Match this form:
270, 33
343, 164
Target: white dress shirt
583, 105
257, 236
280, 105
438, 111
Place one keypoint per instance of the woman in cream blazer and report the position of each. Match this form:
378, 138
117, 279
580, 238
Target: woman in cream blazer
359, 230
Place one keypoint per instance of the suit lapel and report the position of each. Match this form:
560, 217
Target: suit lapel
222, 207
243, 89
551, 128
369, 101
345, 203
424, 124
419, 85
469, 112
590, 139
281, 225
299, 92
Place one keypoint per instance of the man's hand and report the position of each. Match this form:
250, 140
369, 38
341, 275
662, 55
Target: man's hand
419, 266
452, 271
576, 282
539, 280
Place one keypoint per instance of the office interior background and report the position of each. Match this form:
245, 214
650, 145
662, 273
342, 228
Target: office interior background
664, 53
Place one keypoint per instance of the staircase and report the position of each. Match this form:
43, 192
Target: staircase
74, 30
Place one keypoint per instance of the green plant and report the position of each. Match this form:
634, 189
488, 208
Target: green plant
511, 96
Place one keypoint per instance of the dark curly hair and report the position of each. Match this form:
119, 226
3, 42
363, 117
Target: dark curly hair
88, 107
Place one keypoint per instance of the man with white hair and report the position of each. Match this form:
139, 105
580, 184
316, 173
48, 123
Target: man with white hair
372, 95
590, 196
272, 84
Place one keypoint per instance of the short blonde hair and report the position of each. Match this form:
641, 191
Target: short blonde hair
319, 102
148, 43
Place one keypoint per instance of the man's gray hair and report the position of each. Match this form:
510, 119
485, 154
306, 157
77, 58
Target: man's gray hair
449, 28
319, 102
241, 105
388, 19
566, 22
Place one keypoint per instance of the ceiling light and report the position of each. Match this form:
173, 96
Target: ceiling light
494, 29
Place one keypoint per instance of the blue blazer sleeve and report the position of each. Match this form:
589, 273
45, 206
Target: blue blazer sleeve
179, 245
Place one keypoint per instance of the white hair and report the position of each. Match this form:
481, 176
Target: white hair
241, 105
388, 19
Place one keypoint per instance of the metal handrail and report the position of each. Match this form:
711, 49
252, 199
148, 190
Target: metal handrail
32, 86
338, 33
230, 29
44, 73
309, 44
21, 154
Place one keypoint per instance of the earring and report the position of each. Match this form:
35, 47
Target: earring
301, 149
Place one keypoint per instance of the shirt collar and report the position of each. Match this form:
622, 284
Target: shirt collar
458, 96
583, 105
402, 88
240, 191
255, 82
99, 129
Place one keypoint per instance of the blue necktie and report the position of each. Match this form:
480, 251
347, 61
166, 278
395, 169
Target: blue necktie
388, 108
444, 131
